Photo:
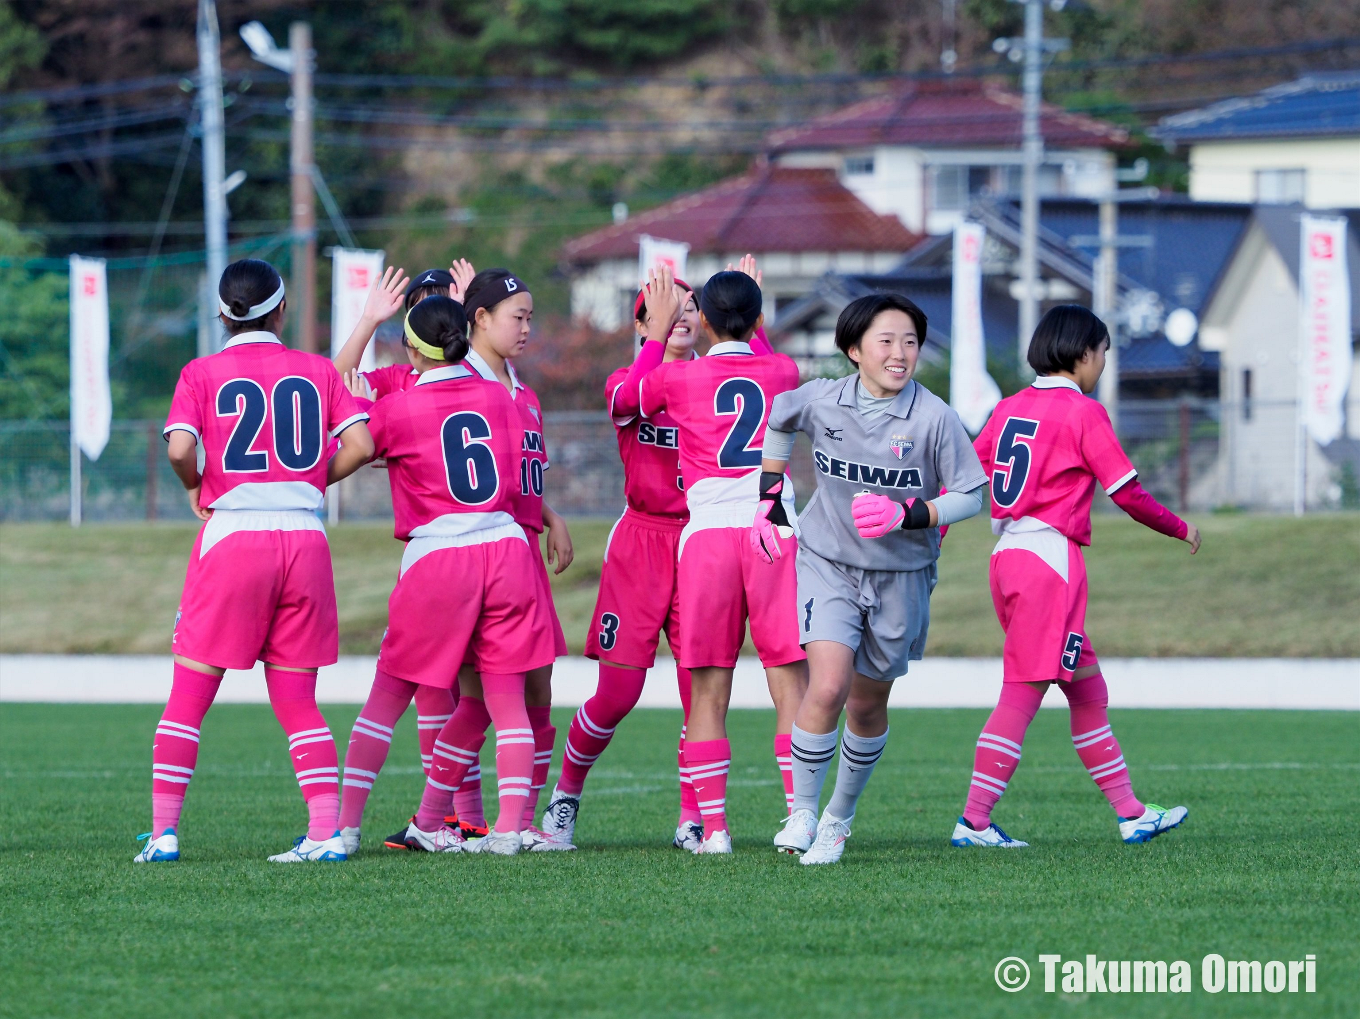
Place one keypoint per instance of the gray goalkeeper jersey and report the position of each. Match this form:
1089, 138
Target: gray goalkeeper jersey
911, 451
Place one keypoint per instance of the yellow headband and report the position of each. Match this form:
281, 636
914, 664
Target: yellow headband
428, 349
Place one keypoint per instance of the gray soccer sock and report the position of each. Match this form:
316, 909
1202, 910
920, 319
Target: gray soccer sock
812, 754
859, 754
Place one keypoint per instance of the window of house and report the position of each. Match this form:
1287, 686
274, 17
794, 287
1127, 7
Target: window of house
948, 187
1280, 187
859, 165
1246, 394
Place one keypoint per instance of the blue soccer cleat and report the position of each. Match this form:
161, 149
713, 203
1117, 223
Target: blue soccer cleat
164, 849
1154, 821
991, 837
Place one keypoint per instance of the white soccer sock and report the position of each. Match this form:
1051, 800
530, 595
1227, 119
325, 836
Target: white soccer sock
812, 754
859, 754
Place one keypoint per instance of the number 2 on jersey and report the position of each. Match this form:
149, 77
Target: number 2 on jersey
1013, 459
297, 424
469, 463
745, 399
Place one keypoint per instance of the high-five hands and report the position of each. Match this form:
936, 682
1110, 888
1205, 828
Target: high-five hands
386, 296
462, 272
663, 299
748, 266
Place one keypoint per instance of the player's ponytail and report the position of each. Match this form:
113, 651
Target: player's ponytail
438, 325
731, 304
249, 295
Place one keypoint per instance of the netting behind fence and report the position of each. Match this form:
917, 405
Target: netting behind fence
1192, 454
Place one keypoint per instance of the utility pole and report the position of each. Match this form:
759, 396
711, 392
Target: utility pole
1104, 302
1032, 48
304, 202
214, 151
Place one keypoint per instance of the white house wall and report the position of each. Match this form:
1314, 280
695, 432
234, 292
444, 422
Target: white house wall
1226, 171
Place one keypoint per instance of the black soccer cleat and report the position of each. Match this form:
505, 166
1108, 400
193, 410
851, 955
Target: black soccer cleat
400, 839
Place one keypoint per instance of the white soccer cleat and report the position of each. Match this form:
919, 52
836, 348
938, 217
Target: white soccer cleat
305, 850
164, 849
1154, 821
350, 837
720, 842
502, 843
536, 840
689, 835
798, 833
991, 837
830, 845
442, 840
559, 819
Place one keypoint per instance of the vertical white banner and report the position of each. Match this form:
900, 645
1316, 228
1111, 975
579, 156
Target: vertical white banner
654, 252
1324, 327
354, 271
972, 392
91, 403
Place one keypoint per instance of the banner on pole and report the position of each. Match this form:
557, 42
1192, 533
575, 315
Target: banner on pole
1325, 325
654, 252
91, 403
354, 272
972, 392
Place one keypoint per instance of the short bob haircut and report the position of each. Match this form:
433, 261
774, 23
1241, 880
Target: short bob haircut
860, 313
1063, 335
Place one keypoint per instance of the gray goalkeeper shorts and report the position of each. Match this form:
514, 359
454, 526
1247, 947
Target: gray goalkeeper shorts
882, 614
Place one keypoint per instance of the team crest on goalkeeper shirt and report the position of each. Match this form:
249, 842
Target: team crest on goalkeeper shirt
901, 445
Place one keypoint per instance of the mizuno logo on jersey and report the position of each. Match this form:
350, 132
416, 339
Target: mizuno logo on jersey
651, 435
533, 442
867, 474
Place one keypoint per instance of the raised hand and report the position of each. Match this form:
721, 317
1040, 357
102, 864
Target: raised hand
663, 300
462, 272
748, 266
386, 296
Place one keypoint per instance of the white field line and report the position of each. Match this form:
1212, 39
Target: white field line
1290, 683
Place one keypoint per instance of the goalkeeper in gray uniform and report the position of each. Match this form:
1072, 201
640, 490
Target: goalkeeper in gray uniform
885, 448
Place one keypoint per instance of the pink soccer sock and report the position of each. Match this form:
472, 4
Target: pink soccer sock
709, 761
369, 741
174, 753
689, 803
593, 726
1089, 700
434, 707
545, 736
783, 756
455, 752
504, 695
292, 695
998, 749
467, 798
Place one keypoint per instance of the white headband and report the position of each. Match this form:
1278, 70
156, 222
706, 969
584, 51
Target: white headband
263, 308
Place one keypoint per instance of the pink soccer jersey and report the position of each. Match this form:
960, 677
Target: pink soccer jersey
1044, 449
650, 451
391, 378
720, 403
529, 501
263, 414
452, 445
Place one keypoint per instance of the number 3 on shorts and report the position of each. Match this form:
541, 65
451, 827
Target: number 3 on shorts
1072, 651
609, 631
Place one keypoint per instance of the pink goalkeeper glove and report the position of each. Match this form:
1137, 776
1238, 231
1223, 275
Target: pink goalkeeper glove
765, 534
876, 515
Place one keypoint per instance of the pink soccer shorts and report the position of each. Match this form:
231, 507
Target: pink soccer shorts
723, 583
545, 600
639, 596
259, 596
478, 601
1043, 615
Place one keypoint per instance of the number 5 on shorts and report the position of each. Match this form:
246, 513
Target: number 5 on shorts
1072, 651
609, 631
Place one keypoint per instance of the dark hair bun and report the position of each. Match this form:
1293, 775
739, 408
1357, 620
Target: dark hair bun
731, 301
245, 284
441, 321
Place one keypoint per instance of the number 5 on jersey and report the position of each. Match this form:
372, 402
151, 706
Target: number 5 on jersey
1013, 459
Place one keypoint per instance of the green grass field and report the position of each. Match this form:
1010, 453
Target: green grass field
1264, 869
1260, 586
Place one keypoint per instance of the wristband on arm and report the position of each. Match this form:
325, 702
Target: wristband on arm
772, 491
918, 515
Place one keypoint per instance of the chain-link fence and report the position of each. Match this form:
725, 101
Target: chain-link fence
1192, 454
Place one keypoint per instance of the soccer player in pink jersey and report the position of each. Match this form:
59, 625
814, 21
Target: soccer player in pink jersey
720, 403
1045, 449
453, 451
639, 596
500, 311
259, 586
